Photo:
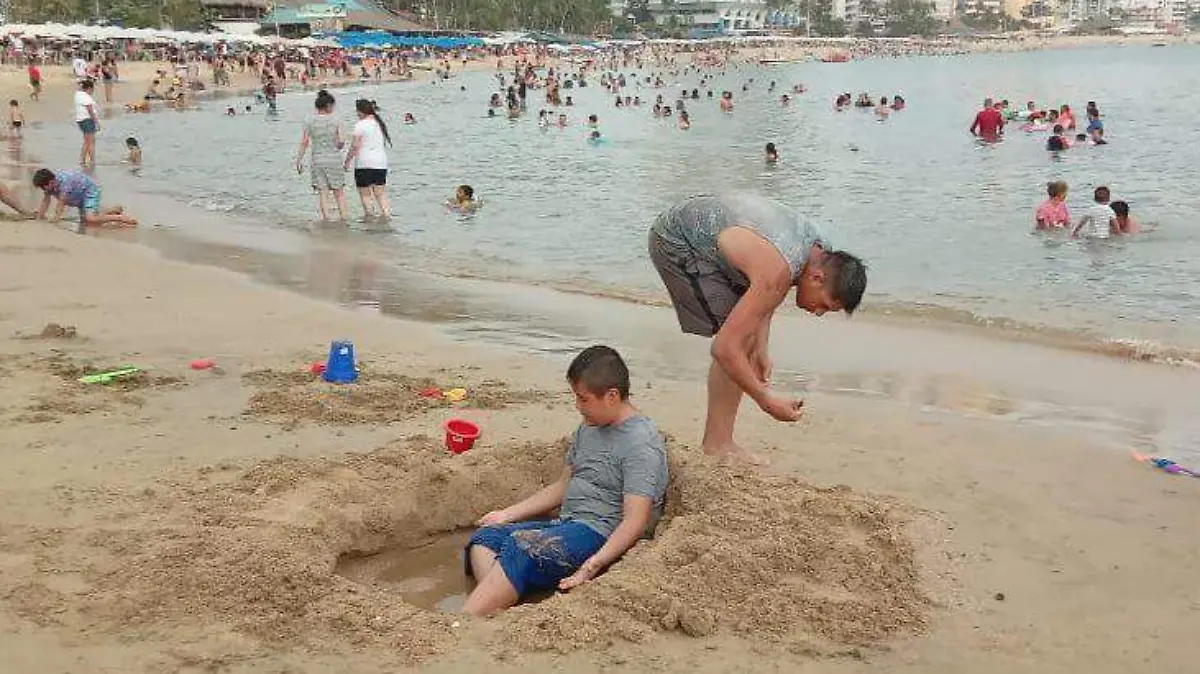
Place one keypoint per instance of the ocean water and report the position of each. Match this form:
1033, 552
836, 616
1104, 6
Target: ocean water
944, 221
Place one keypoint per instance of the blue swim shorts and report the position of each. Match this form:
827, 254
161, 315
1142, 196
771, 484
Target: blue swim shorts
536, 555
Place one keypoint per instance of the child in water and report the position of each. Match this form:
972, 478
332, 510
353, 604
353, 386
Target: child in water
772, 157
134, 155
594, 137
16, 118
685, 122
464, 200
1122, 223
409, 119
1099, 218
1053, 213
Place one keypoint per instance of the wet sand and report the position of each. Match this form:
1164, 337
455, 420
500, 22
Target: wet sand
1037, 546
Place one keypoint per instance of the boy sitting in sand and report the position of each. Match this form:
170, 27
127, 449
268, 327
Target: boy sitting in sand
610, 495
77, 189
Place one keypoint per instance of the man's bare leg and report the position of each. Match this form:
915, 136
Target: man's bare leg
724, 398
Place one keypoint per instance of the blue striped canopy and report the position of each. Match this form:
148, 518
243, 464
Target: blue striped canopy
379, 38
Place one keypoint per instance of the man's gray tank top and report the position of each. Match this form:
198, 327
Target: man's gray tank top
695, 223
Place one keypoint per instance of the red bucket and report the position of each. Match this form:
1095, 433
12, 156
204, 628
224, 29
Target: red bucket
460, 435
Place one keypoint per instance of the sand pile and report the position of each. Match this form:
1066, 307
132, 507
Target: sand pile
377, 397
62, 394
770, 558
54, 331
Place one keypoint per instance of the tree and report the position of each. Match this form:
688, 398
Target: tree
911, 17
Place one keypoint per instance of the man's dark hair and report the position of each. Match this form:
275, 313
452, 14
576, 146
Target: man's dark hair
1120, 208
88, 84
847, 279
600, 369
42, 177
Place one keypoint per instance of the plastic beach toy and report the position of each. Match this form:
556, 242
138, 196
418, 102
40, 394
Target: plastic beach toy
455, 394
1166, 465
202, 363
111, 375
460, 435
339, 369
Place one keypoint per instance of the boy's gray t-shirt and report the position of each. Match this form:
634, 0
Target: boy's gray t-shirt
609, 462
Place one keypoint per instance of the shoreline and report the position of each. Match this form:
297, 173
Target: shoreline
1147, 344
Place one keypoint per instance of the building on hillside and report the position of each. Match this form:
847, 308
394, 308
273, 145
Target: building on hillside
237, 16
1074, 12
1156, 13
298, 19
944, 10
718, 16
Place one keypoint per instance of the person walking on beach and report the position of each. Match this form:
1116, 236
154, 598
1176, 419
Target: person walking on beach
324, 134
35, 80
88, 122
368, 154
728, 263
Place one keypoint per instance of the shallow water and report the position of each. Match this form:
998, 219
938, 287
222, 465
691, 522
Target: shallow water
430, 576
943, 220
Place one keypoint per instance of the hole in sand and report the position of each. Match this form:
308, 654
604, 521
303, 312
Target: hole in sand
430, 575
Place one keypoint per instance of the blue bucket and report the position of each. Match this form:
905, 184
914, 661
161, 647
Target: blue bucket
340, 369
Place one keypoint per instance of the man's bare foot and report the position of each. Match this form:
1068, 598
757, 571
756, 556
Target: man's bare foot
735, 452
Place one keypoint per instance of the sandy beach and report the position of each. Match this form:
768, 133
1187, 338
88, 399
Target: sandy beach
190, 520
949, 503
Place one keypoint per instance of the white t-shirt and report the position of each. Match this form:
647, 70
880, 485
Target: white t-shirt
371, 151
82, 100
80, 66
1096, 219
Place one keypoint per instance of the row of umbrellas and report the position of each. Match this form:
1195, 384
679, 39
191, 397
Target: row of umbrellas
58, 31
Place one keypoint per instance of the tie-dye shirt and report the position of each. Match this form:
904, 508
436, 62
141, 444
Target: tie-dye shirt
74, 187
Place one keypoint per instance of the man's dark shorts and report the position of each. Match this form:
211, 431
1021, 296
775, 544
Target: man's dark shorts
702, 293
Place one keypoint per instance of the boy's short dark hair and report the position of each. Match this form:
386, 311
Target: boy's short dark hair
1120, 208
13, 102
600, 369
1101, 194
467, 191
847, 276
131, 142
42, 177
88, 84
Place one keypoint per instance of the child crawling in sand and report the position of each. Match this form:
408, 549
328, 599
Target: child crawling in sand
609, 495
77, 189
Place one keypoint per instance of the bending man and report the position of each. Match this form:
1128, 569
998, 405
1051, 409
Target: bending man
728, 263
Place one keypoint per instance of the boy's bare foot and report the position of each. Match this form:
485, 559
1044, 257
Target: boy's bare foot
735, 452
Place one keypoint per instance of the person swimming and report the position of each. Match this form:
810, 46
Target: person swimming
771, 156
464, 200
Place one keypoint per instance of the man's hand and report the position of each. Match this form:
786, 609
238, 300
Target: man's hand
495, 517
783, 409
586, 572
761, 362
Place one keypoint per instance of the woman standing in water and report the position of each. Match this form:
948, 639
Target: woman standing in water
325, 135
368, 153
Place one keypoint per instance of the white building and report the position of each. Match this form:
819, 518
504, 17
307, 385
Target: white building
1157, 13
719, 15
1078, 11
